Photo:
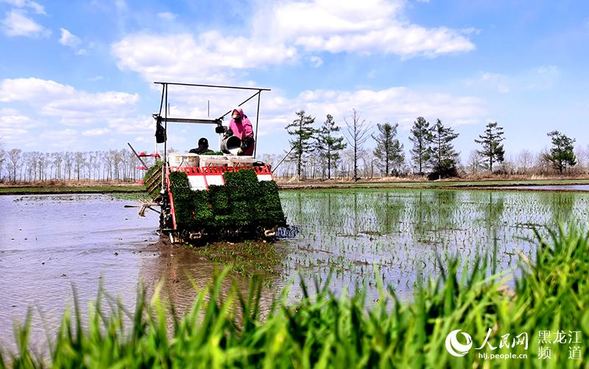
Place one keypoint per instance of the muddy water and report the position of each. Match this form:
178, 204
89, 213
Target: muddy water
51, 244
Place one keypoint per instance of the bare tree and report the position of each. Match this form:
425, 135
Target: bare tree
524, 161
474, 162
357, 134
582, 154
14, 158
2, 161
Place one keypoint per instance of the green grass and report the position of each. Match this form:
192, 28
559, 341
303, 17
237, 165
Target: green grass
248, 258
224, 330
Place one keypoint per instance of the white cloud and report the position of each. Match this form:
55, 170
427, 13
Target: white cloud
535, 79
32, 90
207, 57
95, 132
69, 39
395, 105
542, 78
121, 5
16, 23
167, 16
84, 107
290, 29
26, 4
62, 139
65, 109
496, 81
14, 125
316, 61
370, 26
57, 100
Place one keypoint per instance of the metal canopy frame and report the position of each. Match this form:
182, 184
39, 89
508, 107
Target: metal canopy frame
217, 121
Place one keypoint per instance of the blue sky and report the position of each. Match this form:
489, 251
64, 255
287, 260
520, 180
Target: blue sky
77, 75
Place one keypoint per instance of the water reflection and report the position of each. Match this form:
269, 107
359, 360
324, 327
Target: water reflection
401, 231
183, 271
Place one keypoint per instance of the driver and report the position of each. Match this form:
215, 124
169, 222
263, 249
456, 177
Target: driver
241, 127
203, 146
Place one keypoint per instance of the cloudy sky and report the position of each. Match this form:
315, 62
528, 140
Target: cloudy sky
78, 75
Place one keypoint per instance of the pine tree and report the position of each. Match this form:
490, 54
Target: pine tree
561, 153
388, 149
421, 136
328, 144
443, 156
302, 130
492, 148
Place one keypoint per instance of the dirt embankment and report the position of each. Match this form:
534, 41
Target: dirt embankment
422, 182
56, 187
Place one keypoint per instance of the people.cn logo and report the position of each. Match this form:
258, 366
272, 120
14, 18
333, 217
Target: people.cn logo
456, 348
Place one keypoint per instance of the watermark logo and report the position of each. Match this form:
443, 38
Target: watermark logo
456, 348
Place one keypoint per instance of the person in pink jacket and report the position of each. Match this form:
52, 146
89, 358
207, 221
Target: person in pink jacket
241, 127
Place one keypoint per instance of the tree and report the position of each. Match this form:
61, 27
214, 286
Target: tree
389, 151
14, 157
302, 130
561, 153
492, 148
328, 144
80, 160
357, 136
421, 136
474, 162
2, 159
443, 156
524, 161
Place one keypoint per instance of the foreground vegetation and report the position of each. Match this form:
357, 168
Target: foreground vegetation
544, 319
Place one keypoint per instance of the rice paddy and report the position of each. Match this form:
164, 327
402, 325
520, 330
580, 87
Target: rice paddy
325, 330
353, 263
402, 232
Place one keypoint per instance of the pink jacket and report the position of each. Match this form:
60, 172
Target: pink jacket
242, 129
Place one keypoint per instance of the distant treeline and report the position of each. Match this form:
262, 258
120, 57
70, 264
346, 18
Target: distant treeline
323, 152
112, 165
326, 151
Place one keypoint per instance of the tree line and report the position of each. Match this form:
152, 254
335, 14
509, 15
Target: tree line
112, 165
327, 150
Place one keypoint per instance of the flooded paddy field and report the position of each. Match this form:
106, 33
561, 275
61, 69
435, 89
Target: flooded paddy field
50, 242
401, 232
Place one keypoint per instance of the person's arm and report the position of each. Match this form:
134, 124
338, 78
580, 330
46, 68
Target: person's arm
232, 129
248, 129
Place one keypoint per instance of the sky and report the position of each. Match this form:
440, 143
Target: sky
78, 75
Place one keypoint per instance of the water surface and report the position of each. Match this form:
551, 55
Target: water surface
49, 243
